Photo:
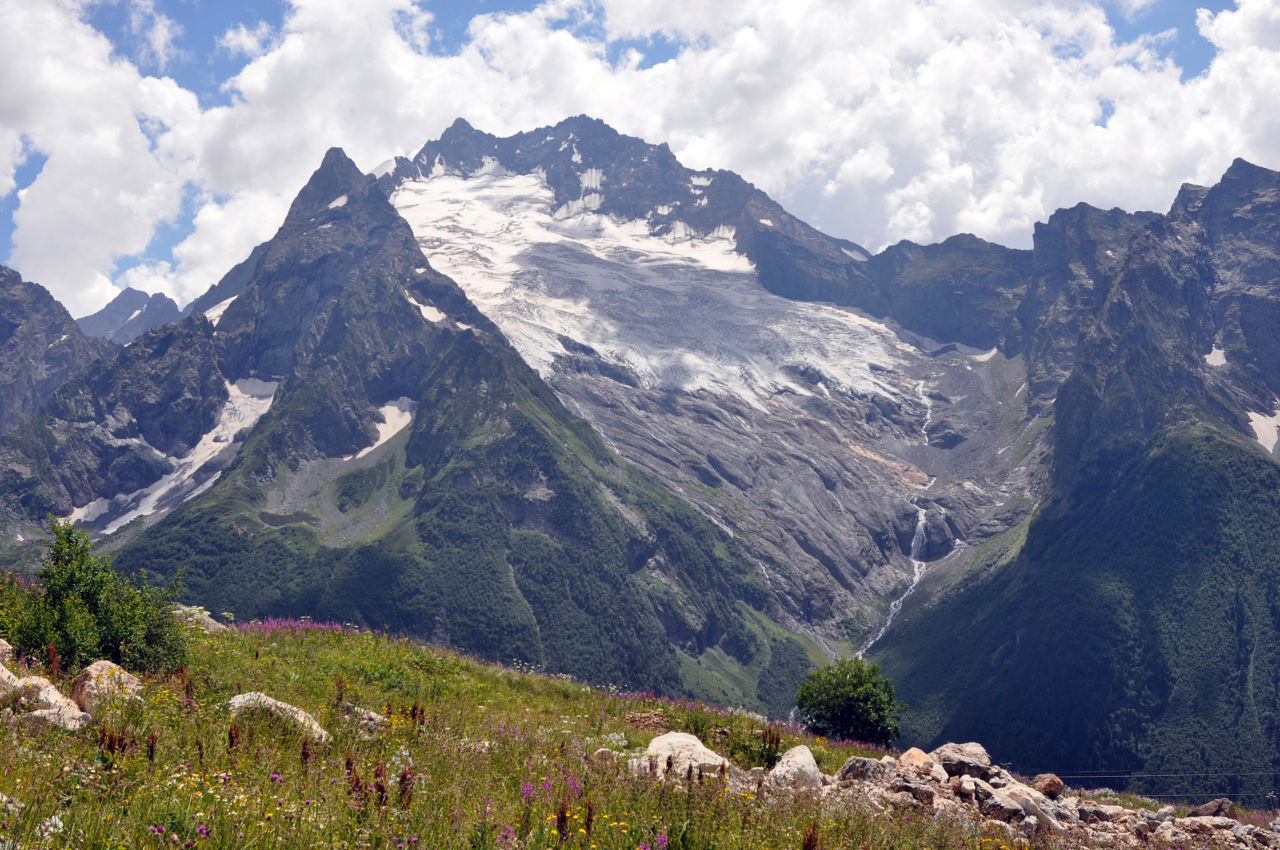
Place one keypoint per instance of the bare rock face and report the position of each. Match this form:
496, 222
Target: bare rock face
290, 714
100, 683
796, 771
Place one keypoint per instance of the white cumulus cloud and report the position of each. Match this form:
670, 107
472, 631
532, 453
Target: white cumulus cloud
877, 120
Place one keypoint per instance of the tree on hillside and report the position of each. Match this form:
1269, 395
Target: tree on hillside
850, 700
88, 611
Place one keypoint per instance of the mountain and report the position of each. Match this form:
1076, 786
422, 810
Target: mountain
129, 315
557, 399
1138, 621
41, 348
352, 438
1030, 511
666, 306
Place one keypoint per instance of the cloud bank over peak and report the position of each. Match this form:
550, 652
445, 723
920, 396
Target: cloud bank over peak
874, 120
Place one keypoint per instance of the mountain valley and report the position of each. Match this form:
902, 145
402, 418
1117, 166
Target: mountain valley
556, 399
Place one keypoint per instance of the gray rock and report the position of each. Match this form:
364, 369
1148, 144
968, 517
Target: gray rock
919, 790
254, 701
857, 767
969, 759
796, 771
1001, 806
100, 683
198, 616
40, 705
1221, 807
676, 754
369, 723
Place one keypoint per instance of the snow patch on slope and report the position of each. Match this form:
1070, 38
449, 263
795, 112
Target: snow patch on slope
247, 401
214, 313
1216, 357
681, 311
396, 416
431, 314
1266, 429
340, 201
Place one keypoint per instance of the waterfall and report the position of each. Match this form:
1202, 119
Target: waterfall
928, 410
919, 540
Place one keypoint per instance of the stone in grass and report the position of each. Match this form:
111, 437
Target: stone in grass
676, 754
369, 723
42, 706
100, 683
290, 714
796, 771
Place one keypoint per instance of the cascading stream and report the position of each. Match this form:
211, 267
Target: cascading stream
919, 540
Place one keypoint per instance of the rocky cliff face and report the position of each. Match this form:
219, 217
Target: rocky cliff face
40, 348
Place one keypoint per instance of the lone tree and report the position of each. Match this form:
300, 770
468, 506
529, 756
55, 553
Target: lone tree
88, 611
850, 700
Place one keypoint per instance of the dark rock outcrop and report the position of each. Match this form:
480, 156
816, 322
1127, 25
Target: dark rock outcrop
41, 348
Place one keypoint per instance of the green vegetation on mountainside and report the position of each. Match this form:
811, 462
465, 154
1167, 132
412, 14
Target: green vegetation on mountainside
1154, 587
471, 756
500, 524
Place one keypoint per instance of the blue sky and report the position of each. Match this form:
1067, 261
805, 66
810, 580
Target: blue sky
163, 138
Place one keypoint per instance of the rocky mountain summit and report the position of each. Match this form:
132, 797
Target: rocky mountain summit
129, 315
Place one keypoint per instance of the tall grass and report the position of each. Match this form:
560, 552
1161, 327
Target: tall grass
473, 756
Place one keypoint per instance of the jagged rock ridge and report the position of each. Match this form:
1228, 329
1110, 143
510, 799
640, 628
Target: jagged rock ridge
129, 315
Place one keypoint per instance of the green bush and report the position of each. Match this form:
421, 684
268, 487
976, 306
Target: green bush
88, 611
851, 700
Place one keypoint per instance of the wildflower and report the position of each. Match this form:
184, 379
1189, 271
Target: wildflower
202, 830
275, 777
527, 791
660, 843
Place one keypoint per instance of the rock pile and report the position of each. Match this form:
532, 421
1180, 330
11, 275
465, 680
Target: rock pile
957, 779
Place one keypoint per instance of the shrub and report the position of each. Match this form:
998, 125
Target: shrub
851, 700
88, 611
